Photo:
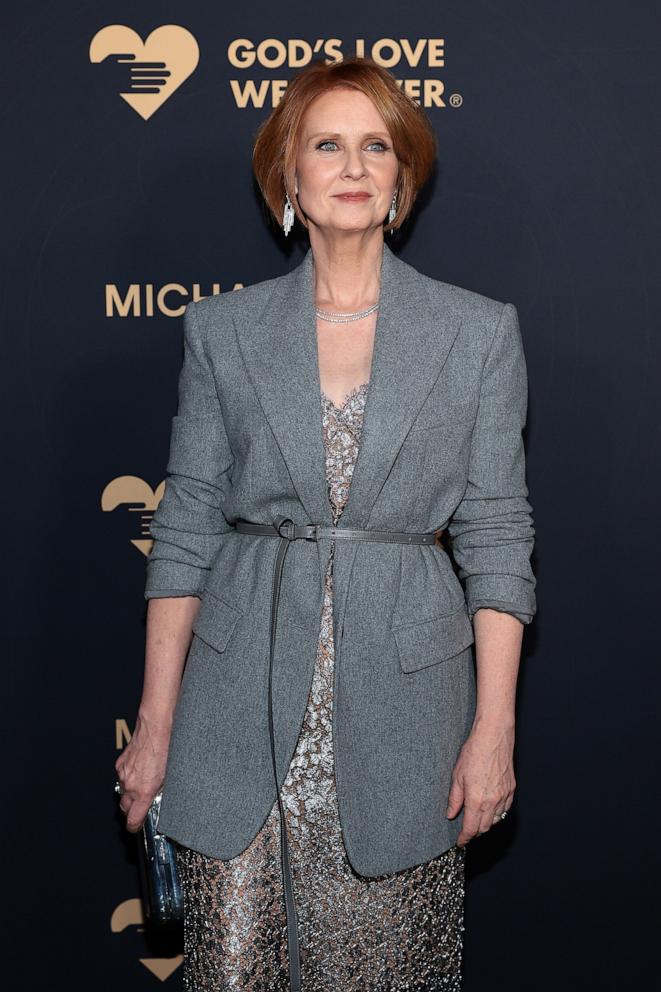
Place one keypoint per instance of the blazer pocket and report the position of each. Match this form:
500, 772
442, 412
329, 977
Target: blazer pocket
452, 416
450, 425
215, 621
430, 642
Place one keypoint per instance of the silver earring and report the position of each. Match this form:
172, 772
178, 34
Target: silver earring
393, 210
288, 216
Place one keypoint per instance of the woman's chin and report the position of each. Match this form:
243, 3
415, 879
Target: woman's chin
347, 226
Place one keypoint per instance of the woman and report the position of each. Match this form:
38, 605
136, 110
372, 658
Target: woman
329, 751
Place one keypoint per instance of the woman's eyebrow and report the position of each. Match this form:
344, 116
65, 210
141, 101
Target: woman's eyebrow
336, 134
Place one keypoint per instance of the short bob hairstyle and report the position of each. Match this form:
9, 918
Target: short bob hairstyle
276, 139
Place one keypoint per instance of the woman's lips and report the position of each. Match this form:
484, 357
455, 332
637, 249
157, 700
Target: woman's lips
353, 196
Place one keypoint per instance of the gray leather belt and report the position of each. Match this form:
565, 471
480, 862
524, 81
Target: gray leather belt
288, 531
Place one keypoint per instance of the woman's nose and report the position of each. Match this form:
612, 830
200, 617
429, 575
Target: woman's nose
354, 165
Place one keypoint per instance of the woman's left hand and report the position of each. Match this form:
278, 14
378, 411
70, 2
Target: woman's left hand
483, 779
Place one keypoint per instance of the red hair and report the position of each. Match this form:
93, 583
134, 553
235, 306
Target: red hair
276, 140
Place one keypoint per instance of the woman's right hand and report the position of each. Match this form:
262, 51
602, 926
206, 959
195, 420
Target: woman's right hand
140, 770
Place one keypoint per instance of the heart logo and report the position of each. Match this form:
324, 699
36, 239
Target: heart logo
147, 72
132, 493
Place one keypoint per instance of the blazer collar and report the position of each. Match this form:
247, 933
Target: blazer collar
412, 342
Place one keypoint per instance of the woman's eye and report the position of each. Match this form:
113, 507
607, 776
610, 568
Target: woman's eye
380, 144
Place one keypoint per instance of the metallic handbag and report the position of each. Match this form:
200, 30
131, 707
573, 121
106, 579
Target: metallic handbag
163, 901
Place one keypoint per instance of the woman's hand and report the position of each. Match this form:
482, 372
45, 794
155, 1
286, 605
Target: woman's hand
483, 779
141, 770
141, 765
483, 776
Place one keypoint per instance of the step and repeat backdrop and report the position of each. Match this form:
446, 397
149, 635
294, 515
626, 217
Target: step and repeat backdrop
118, 208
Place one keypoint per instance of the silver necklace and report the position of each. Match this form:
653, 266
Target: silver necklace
343, 318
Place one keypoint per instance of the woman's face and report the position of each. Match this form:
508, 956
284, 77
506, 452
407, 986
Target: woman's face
344, 146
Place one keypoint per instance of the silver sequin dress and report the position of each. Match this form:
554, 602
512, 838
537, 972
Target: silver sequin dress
402, 931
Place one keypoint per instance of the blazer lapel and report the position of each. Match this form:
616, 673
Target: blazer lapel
280, 352
411, 344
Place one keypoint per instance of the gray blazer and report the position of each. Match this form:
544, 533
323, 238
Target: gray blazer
441, 446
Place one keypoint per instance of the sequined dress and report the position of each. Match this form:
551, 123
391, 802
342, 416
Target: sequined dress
402, 931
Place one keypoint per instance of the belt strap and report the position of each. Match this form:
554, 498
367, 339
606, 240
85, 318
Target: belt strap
288, 531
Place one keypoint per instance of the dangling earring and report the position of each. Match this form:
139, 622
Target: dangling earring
393, 210
288, 216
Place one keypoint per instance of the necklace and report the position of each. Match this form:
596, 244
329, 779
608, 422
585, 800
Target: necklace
343, 318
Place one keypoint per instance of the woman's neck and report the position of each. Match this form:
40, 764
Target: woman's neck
347, 271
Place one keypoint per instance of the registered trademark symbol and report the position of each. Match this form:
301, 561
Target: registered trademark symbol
456, 100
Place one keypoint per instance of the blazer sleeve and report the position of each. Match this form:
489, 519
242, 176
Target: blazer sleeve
492, 529
188, 523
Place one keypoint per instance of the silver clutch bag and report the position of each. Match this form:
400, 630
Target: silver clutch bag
163, 897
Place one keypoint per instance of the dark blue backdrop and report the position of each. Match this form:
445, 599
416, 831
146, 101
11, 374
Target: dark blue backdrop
547, 196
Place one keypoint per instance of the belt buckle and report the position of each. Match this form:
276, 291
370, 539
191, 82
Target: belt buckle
312, 532
287, 523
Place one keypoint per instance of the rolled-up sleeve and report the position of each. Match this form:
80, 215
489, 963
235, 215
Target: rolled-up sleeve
492, 529
188, 524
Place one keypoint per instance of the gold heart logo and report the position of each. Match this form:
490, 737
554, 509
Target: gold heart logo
130, 913
138, 496
155, 68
